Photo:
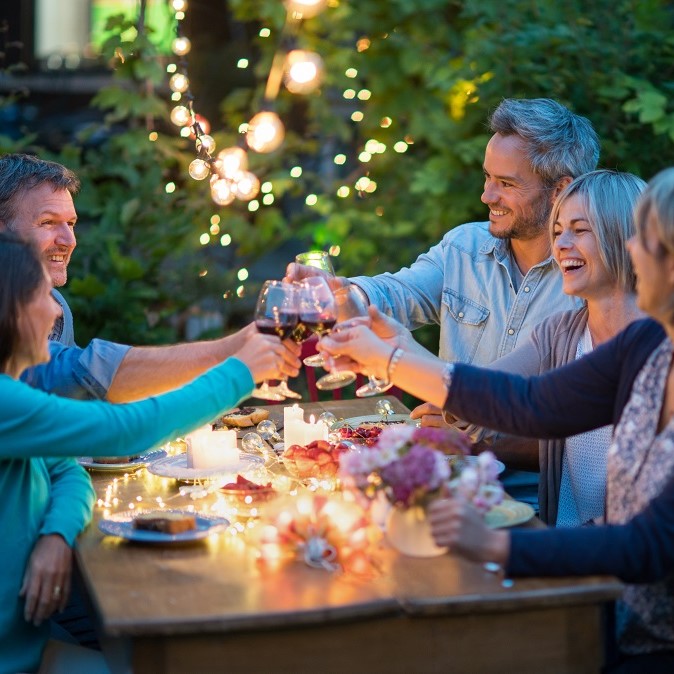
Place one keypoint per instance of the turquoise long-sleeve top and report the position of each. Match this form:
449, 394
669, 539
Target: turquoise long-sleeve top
40, 495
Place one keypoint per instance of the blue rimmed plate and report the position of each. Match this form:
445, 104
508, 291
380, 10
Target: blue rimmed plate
121, 525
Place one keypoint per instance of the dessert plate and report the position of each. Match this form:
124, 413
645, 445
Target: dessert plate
121, 525
139, 462
508, 514
176, 467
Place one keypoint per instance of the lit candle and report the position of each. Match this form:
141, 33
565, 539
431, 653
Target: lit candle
315, 430
216, 449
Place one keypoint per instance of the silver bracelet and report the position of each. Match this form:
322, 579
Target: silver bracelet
396, 355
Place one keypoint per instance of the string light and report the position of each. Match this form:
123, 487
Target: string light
230, 179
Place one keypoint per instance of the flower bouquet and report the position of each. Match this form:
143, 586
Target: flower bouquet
410, 467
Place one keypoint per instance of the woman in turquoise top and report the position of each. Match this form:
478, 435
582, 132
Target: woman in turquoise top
46, 498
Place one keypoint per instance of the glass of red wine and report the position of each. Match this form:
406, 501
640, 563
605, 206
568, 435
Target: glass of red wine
276, 314
351, 304
317, 312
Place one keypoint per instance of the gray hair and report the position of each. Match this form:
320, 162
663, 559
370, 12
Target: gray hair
609, 198
22, 172
658, 199
559, 142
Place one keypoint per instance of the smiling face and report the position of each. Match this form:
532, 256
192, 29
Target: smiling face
35, 321
654, 268
577, 252
519, 202
47, 219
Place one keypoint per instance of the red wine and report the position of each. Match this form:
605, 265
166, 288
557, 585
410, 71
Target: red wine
283, 327
319, 324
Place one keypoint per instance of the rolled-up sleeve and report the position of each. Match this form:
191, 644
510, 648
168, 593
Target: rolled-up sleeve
81, 373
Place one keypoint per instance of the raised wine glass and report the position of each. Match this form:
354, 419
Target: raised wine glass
351, 304
275, 314
317, 312
318, 259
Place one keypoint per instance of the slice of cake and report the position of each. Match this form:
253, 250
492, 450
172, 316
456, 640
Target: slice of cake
244, 417
165, 522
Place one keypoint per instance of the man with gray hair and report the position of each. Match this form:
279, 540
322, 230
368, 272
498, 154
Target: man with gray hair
487, 284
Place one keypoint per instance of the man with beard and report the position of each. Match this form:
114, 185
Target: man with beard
487, 284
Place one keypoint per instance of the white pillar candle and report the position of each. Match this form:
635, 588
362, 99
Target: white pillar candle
293, 432
315, 430
217, 450
295, 413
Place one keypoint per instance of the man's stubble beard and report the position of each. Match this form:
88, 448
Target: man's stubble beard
526, 228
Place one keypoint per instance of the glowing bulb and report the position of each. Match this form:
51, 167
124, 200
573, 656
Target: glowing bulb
179, 82
265, 132
221, 192
295, 171
199, 169
351, 72
400, 146
305, 9
179, 5
181, 46
231, 161
304, 71
205, 143
246, 187
180, 115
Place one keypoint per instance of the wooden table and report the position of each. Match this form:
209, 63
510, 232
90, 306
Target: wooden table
214, 608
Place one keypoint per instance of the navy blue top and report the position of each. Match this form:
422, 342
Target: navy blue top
585, 394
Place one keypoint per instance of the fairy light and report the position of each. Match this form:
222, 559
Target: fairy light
254, 206
311, 200
357, 116
400, 146
340, 159
242, 274
304, 71
268, 199
343, 192
349, 94
204, 239
364, 94
226, 239
295, 171
385, 122
266, 187
264, 32
242, 64
351, 73
364, 157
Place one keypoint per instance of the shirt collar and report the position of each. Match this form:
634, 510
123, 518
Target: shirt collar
500, 249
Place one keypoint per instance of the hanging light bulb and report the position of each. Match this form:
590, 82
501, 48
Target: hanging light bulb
247, 186
199, 169
179, 82
303, 71
205, 143
180, 115
305, 9
231, 161
181, 46
179, 5
265, 132
221, 192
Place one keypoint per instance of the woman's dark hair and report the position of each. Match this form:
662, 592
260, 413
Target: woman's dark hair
21, 274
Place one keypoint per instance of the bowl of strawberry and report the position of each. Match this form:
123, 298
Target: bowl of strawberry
319, 459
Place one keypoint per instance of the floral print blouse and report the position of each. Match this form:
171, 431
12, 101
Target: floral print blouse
640, 462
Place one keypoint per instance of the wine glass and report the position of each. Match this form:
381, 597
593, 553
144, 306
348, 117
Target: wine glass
276, 314
318, 259
317, 312
351, 304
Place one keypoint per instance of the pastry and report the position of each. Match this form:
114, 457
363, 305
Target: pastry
243, 417
165, 522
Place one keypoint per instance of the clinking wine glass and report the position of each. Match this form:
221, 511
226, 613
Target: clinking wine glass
318, 259
276, 314
351, 304
317, 312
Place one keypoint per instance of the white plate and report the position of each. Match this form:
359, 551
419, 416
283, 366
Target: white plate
378, 419
139, 462
508, 514
121, 524
176, 467
472, 460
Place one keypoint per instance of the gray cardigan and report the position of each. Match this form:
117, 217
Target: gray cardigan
552, 343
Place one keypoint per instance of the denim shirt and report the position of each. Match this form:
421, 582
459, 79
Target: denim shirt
73, 372
463, 283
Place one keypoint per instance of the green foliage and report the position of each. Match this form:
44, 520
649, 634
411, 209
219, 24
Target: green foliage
436, 68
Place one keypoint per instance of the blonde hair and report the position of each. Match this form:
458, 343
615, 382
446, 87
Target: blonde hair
609, 198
